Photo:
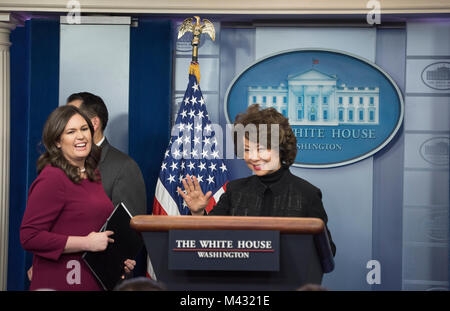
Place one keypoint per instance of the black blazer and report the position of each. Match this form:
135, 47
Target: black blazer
292, 197
122, 179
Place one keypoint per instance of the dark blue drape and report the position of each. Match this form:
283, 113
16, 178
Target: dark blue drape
34, 94
149, 104
150, 98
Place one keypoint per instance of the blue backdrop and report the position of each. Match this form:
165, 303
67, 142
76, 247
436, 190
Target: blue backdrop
34, 94
150, 98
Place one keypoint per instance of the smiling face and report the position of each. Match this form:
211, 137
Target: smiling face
76, 140
260, 160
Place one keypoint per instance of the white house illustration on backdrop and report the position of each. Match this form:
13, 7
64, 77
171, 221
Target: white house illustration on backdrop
313, 98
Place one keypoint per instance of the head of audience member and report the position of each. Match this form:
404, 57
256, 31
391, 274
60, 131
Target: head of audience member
312, 288
67, 138
140, 284
94, 107
264, 139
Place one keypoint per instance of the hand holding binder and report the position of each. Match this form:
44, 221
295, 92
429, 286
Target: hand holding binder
99, 242
108, 265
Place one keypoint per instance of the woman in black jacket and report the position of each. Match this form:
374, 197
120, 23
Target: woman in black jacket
269, 148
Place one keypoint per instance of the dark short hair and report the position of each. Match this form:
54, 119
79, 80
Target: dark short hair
287, 143
73, 97
140, 284
51, 134
92, 105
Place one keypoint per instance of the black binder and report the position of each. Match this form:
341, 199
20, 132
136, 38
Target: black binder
108, 265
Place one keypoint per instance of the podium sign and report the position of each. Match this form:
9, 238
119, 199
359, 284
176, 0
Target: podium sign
224, 250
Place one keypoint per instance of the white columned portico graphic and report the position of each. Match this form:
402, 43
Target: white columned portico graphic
7, 24
311, 100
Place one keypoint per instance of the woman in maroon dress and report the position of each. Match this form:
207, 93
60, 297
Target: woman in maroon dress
66, 206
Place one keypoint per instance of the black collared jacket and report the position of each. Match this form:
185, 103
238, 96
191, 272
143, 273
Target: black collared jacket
292, 197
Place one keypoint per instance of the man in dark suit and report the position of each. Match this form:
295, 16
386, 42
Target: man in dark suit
121, 177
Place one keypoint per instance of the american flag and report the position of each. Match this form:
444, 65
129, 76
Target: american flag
193, 149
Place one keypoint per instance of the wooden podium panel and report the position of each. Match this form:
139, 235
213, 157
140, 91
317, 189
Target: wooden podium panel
304, 252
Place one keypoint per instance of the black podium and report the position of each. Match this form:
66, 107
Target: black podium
304, 252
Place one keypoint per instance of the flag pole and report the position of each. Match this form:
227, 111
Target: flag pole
197, 29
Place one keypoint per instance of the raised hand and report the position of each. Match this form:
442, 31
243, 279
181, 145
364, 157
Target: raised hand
194, 197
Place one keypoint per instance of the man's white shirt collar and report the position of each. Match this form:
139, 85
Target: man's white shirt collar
101, 141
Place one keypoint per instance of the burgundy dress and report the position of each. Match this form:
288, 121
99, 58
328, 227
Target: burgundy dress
56, 209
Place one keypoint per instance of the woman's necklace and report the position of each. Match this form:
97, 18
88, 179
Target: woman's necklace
82, 170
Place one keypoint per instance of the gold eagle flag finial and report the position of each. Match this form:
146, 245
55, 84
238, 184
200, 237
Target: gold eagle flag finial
197, 29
